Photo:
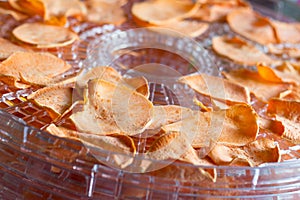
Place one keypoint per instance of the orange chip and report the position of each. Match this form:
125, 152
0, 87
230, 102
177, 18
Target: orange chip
56, 98
160, 12
29, 7
101, 11
34, 68
292, 52
256, 84
44, 36
251, 25
288, 113
12, 81
8, 48
287, 32
239, 51
16, 15
271, 125
139, 84
217, 88
277, 76
254, 154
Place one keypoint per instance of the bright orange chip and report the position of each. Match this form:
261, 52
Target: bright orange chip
44, 36
29, 7
277, 76
239, 51
256, 84
8, 48
160, 12
254, 154
287, 32
251, 25
56, 98
101, 11
288, 113
217, 88
34, 68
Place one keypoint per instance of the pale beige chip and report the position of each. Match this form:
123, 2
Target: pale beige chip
217, 88
44, 36
8, 48
261, 88
253, 154
239, 51
103, 11
16, 15
288, 113
160, 12
291, 52
56, 98
251, 25
139, 84
34, 68
286, 32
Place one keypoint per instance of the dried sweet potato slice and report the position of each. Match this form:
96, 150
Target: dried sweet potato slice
251, 25
101, 11
139, 84
56, 98
217, 88
12, 81
254, 154
291, 52
239, 51
16, 15
8, 48
291, 94
256, 84
288, 113
34, 68
159, 12
44, 36
286, 32
29, 7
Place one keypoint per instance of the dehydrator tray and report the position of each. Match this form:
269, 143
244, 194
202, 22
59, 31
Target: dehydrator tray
37, 165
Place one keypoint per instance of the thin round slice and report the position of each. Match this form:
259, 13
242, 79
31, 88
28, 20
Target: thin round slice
44, 36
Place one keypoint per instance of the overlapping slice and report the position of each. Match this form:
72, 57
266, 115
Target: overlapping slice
56, 98
286, 32
160, 12
237, 126
251, 25
217, 88
29, 7
103, 11
291, 52
239, 51
113, 108
16, 15
8, 48
260, 87
44, 36
288, 113
34, 68
254, 154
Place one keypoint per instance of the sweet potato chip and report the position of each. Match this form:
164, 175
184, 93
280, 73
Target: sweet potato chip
115, 107
16, 15
288, 113
217, 88
160, 12
292, 94
44, 36
101, 11
256, 84
139, 84
287, 32
254, 154
29, 7
251, 25
163, 115
34, 68
239, 51
56, 98
277, 76
12, 81
291, 52
8, 48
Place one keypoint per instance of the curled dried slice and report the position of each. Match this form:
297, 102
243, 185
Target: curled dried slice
139, 84
159, 12
292, 52
287, 32
44, 36
292, 94
34, 68
12, 81
251, 25
288, 113
29, 7
239, 51
163, 115
217, 88
8, 48
56, 98
256, 84
16, 15
102, 11
254, 154
277, 76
